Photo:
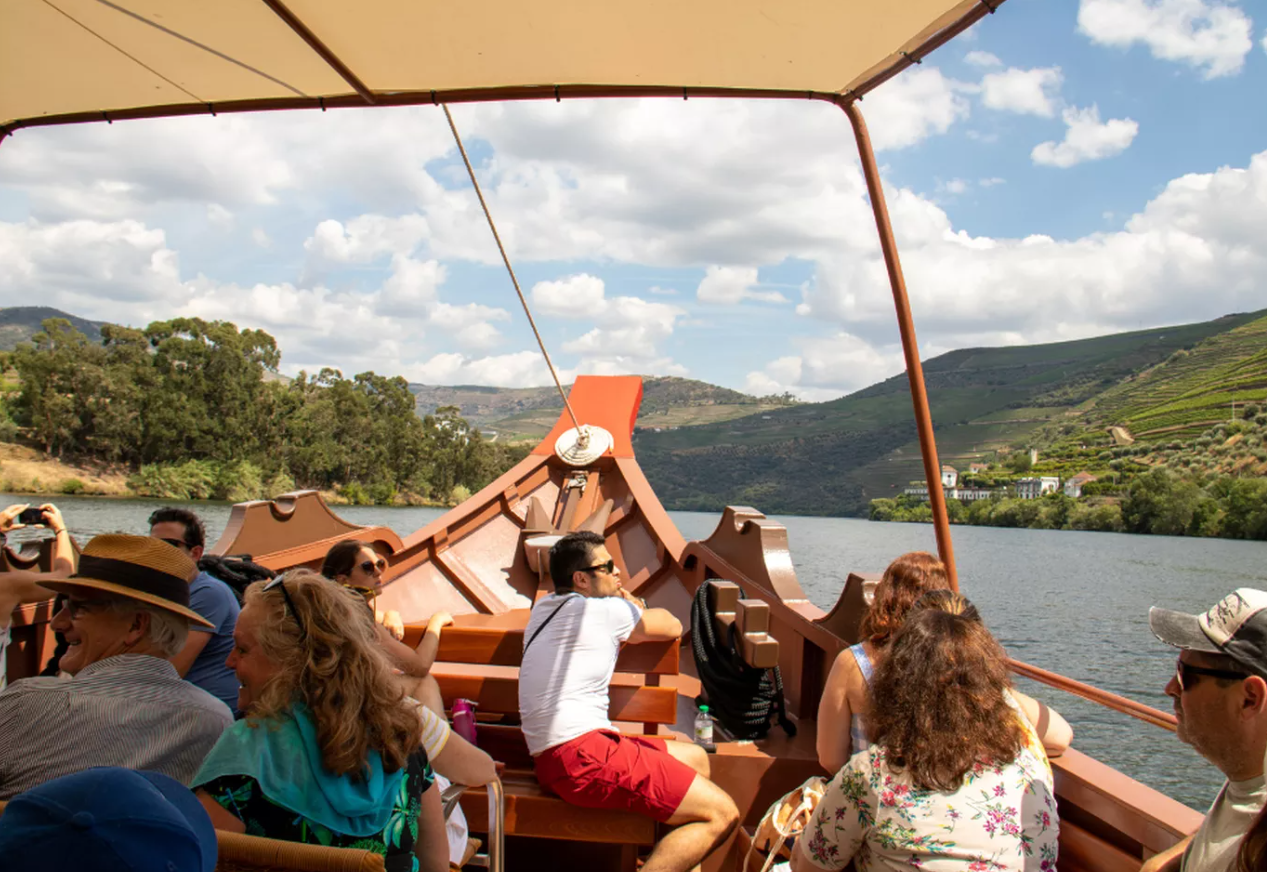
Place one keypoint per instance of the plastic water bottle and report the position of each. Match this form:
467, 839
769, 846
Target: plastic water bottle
703, 727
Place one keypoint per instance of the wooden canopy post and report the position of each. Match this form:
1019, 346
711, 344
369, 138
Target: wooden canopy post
910, 347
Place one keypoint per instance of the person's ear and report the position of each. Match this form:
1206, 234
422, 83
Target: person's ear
580, 581
1254, 696
196, 553
139, 629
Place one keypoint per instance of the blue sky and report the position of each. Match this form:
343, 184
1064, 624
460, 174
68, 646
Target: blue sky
1065, 169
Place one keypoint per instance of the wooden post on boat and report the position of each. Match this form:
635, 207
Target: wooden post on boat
910, 348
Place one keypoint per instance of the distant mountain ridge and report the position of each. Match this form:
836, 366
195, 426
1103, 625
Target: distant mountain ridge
834, 457
19, 323
529, 413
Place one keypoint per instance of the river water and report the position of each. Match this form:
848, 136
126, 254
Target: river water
1072, 602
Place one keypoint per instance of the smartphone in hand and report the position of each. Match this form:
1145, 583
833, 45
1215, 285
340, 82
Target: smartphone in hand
32, 518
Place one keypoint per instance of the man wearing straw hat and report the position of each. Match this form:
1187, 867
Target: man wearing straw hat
126, 614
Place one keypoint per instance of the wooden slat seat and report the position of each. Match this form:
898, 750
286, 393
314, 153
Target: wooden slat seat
479, 658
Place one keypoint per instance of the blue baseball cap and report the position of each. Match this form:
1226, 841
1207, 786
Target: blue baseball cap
108, 819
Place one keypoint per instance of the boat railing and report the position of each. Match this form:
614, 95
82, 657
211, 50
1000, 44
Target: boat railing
1109, 700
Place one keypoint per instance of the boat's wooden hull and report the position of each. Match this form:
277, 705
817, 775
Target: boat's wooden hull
476, 562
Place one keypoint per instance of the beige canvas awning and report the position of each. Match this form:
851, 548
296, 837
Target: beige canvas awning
73, 60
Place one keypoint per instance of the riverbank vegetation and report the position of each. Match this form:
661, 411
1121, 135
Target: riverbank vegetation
189, 409
1159, 501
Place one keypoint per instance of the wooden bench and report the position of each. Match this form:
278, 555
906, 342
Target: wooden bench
479, 660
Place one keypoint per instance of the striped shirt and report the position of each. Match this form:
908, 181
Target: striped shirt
435, 732
132, 710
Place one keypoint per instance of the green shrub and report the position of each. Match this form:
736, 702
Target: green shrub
238, 482
355, 494
279, 483
382, 492
72, 486
460, 494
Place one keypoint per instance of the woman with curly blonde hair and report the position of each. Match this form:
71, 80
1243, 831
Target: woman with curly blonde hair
329, 751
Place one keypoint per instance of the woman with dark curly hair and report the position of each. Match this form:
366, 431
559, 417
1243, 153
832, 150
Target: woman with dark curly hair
951, 780
330, 749
841, 730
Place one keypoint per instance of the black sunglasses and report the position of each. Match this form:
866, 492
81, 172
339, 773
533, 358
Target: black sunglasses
1186, 674
370, 565
280, 581
607, 567
175, 543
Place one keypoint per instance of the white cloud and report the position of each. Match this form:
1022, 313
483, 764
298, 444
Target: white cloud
1191, 252
912, 107
261, 238
579, 296
1029, 92
1211, 36
662, 292
522, 369
220, 217
982, 59
1086, 139
627, 329
954, 187
826, 368
730, 285
991, 182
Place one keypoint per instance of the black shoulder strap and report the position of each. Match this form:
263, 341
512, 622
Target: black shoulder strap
557, 609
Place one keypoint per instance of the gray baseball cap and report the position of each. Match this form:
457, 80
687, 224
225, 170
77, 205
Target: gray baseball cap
1236, 626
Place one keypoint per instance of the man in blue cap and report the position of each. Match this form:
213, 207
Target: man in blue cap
108, 819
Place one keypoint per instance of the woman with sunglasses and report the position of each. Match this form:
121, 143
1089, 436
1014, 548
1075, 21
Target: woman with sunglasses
329, 751
359, 567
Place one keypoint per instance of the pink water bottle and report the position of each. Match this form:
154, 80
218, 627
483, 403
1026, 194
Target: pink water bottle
464, 719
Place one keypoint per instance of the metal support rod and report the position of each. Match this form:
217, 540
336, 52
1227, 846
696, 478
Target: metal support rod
496, 826
1112, 701
910, 347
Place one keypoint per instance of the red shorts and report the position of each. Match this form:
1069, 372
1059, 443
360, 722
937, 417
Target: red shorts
602, 769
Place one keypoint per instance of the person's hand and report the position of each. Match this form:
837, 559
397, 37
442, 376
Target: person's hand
9, 515
392, 621
53, 517
636, 600
438, 621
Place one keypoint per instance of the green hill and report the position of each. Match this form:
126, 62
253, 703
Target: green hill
20, 323
834, 457
1191, 390
529, 413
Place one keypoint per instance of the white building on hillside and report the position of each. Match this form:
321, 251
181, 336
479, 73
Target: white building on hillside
1033, 488
1073, 486
949, 476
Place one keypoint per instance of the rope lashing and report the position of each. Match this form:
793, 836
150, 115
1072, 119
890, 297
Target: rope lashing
470, 171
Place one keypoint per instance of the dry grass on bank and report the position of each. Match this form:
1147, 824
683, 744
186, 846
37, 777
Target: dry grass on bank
25, 470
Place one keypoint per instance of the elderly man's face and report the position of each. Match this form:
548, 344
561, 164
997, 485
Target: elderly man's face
93, 630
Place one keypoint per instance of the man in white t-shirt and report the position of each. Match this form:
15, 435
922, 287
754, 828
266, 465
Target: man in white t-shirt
1220, 695
570, 648
23, 586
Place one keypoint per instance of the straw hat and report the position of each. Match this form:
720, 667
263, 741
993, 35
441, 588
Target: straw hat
136, 567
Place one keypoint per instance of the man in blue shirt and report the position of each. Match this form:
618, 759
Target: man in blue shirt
202, 660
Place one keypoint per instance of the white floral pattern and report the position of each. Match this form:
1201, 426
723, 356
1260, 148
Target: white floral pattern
1002, 819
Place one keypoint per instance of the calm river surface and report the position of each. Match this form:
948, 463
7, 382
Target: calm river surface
1075, 603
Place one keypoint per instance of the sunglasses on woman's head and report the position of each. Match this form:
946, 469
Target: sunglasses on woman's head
280, 581
370, 565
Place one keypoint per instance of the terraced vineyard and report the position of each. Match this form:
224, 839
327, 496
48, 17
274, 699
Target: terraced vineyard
1192, 389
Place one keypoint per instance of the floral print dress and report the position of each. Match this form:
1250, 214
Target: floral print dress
240, 795
1002, 819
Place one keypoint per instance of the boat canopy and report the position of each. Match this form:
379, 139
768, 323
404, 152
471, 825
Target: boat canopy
67, 61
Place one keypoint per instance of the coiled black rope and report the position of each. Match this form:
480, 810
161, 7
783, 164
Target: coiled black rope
741, 697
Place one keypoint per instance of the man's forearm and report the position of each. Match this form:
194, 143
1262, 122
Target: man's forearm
1169, 860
